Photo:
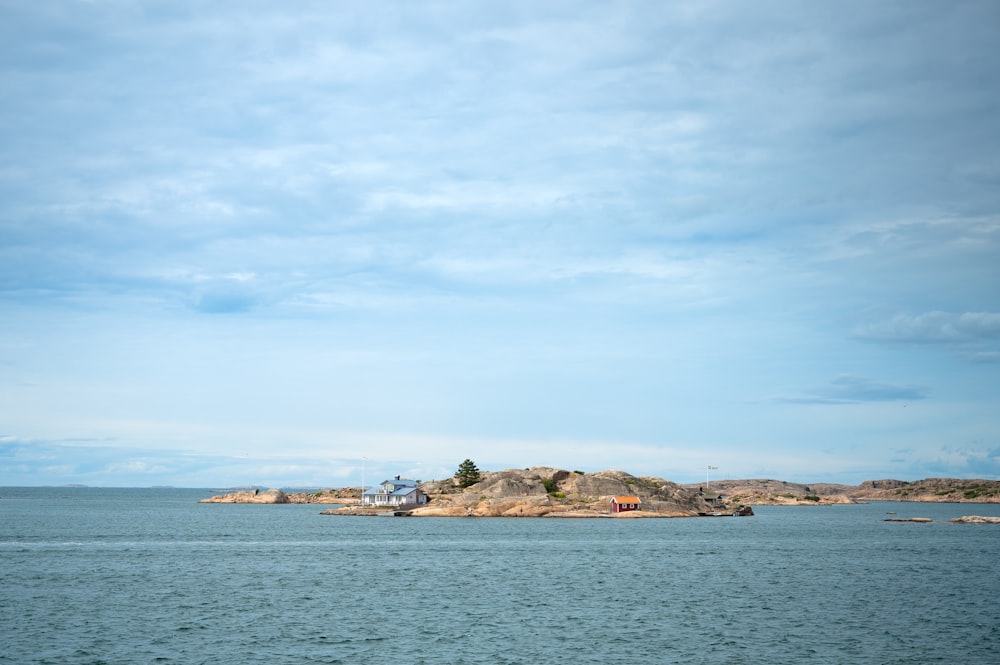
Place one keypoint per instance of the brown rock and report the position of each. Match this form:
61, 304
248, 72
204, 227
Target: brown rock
250, 496
546, 491
509, 484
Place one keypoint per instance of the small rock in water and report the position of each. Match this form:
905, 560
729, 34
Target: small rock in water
977, 519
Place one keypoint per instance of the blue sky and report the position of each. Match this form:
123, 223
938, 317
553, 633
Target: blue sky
255, 243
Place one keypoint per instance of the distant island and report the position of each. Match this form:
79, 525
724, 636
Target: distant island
928, 490
534, 492
550, 492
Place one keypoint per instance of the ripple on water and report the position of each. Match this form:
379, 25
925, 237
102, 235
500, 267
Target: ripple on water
812, 585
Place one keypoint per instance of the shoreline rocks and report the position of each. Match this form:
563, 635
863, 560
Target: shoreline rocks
930, 490
549, 492
976, 519
770, 492
344, 497
250, 496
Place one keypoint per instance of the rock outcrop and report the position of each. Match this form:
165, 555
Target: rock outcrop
930, 490
250, 496
343, 496
760, 492
546, 491
768, 492
976, 519
549, 492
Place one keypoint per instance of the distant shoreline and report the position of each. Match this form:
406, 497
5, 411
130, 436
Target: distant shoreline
753, 492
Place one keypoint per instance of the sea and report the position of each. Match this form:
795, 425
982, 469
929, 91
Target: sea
94, 576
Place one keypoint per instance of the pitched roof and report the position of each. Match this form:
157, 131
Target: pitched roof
625, 499
399, 486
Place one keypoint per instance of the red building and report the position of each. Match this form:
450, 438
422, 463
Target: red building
624, 504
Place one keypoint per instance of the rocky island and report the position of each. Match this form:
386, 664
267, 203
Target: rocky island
551, 492
760, 492
342, 496
929, 490
533, 492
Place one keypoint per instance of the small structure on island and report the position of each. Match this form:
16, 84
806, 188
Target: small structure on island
624, 504
716, 500
394, 494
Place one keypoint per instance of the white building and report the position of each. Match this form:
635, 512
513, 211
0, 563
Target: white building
394, 493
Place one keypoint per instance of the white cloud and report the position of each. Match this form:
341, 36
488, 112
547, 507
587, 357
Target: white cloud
524, 229
934, 327
850, 389
134, 467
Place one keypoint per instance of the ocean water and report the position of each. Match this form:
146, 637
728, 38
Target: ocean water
152, 576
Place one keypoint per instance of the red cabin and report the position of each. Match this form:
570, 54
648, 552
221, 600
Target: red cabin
624, 504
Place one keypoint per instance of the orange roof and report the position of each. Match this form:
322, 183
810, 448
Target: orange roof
625, 499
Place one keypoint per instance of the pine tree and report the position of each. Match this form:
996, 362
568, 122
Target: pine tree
467, 474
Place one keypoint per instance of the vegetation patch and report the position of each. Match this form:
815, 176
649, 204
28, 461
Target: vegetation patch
978, 490
467, 474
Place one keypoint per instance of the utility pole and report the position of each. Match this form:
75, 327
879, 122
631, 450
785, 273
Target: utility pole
710, 468
361, 499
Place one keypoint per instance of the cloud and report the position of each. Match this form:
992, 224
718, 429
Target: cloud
984, 357
849, 389
970, 461
552, 223
135, 467
36, 462
934, 327
224, 300
225, 294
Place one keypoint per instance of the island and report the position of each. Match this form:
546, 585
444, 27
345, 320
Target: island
532, 492
770, 492
551, 492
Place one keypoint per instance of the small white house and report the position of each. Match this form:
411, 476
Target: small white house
394, 493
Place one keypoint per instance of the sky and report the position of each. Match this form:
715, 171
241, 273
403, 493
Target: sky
325, 243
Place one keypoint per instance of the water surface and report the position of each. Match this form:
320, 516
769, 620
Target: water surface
144, 576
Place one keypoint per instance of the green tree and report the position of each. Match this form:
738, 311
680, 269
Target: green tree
467, 474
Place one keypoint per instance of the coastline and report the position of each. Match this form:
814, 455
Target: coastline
550, 492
